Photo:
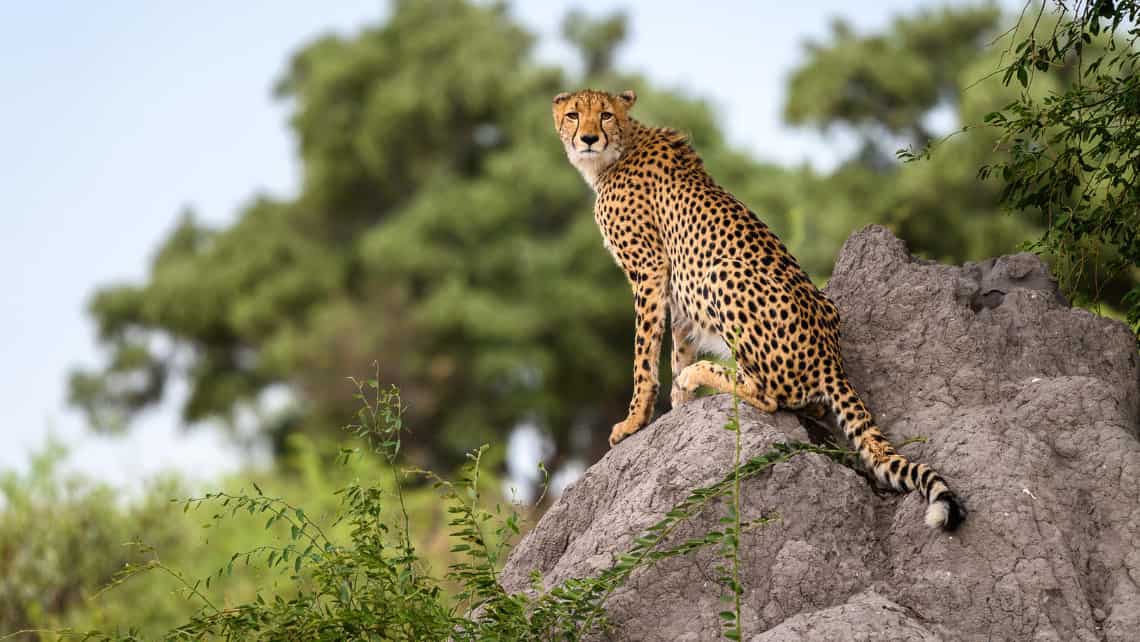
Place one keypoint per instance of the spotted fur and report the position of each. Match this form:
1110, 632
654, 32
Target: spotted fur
688, 246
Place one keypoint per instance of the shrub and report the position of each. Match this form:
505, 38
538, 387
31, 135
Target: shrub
371, 583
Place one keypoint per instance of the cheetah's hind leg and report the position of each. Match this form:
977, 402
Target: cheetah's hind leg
684, 353
707, 373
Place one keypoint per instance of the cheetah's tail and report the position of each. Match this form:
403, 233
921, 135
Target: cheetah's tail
944, 509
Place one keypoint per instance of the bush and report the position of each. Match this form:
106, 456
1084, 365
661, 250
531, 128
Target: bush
64, 539
360, 575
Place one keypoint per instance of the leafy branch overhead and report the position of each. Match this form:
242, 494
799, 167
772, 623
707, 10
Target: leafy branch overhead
1074, 152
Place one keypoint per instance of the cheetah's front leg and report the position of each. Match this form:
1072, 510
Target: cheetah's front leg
649, 296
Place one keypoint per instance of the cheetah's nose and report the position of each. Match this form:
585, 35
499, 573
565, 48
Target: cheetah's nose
589, 139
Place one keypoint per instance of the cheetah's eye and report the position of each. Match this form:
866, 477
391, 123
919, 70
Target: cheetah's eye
607, 115
572, 115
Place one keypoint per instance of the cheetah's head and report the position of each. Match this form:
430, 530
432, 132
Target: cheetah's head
593, 126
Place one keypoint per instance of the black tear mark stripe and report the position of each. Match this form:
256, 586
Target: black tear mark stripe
577, 122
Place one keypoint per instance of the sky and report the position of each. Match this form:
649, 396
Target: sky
116, 116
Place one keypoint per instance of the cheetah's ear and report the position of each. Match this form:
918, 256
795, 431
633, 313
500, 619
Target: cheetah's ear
561, 97
629, 97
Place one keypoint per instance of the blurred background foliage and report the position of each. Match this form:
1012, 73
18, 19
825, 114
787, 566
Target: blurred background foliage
440, 231
64, 539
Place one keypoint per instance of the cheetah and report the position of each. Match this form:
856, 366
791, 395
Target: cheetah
692, 250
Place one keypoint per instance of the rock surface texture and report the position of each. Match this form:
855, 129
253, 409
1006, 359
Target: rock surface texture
1031, 411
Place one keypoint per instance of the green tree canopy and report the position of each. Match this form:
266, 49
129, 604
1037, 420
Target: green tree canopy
1074, 149
890, 89
596, 39
885, 85
439, 231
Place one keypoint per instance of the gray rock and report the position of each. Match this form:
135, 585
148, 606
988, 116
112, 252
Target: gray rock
1031, 411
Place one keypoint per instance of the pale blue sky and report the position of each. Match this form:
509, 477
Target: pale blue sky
114, 117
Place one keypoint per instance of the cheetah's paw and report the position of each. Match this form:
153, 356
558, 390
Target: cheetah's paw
683, 384
678, 395
622, 430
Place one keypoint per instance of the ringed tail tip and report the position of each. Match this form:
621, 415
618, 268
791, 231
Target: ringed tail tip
946, 512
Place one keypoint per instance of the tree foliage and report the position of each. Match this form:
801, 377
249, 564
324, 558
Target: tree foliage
1074, 152
885, 85
904, 87
597, 39
61, 539
440, 230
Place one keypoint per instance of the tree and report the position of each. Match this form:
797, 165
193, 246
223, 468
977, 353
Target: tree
1074, 150
597, 40
439, 231
887, 89
885, 85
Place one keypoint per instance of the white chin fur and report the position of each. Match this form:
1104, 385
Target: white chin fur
936, 514
591, 165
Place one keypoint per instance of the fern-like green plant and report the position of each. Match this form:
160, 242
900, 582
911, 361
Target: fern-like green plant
374, 586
